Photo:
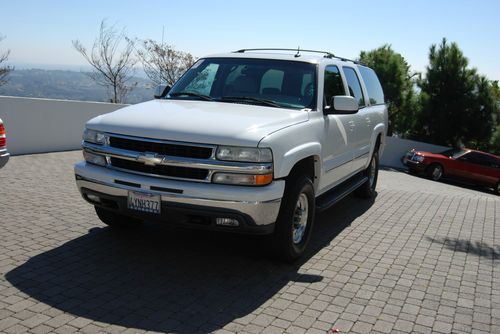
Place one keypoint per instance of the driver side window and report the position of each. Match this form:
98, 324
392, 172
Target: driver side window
333, 84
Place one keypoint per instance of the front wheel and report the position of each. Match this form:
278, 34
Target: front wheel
435, 172
295, 220
367, 190
113, 219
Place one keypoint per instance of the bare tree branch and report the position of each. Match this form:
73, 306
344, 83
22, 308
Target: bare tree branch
4, 70
112, 61
162, 63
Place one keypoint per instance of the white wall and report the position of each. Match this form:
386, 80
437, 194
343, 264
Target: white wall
45, 125
396, 148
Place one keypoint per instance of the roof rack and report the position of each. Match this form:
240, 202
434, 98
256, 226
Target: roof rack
326, 54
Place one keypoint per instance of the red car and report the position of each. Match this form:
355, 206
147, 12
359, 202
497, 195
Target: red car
463, 164
4, 155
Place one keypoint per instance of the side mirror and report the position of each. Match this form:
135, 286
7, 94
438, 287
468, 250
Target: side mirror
342, 104
161, 91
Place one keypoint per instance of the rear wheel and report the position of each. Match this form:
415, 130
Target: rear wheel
367, 190
435, 172
295, 220
116, 220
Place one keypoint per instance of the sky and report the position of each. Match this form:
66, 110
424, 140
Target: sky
41, 31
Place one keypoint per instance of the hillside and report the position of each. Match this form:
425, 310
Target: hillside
66, 85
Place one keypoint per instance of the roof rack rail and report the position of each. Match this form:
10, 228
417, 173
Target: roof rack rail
327, 54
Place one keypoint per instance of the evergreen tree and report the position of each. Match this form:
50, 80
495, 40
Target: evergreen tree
457, 103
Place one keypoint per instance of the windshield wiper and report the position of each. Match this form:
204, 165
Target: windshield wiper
251, 99
201, 96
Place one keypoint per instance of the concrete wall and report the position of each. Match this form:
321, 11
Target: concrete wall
395, 148
45, 125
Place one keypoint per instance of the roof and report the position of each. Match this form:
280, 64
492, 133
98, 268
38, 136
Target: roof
309, 56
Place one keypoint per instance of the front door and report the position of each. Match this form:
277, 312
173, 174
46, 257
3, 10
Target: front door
340, 131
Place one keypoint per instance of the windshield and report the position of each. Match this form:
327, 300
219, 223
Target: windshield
453, 152
273, 83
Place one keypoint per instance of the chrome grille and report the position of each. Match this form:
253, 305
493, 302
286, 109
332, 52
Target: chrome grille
164, 148
161, 170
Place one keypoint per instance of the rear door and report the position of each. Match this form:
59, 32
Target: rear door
362, 121
477, 168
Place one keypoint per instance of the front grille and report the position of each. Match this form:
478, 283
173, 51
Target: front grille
168, 171
177, 150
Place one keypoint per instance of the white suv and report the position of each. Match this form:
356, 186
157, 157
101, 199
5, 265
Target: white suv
252, 141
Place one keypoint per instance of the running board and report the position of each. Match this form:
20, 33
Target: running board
334, 195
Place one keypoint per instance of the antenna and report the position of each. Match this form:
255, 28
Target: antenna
162, 35
297, 55
162, 45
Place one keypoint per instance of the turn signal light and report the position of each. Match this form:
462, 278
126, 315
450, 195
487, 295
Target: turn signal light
3, 139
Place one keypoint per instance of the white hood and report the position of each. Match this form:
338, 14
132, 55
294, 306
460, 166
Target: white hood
198, 121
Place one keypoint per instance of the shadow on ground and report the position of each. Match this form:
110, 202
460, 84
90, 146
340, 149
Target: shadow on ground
161, 279
466, 246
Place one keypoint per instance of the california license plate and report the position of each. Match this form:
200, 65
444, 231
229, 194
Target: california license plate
144, 202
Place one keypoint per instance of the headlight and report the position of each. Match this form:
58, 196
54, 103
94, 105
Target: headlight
418, 158
94, 137
244, 154
94, 158
242, 179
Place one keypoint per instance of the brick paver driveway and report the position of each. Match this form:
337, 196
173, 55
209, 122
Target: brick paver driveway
423, 257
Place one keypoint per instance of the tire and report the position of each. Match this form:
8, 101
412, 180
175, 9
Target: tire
116, 220
293, 229
367, 190
497, 188
435, 172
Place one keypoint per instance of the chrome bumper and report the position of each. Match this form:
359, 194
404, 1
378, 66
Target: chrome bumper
260, 212
4, 157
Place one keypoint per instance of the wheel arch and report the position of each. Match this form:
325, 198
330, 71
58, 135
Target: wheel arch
304, 159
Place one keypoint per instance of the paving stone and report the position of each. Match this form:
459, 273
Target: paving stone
417, 259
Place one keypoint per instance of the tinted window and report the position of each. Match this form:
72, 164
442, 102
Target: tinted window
476, 158
354, 85
375, 93
333, 84
289, 84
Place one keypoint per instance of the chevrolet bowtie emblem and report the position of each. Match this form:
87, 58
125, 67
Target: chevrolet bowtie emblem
150, 158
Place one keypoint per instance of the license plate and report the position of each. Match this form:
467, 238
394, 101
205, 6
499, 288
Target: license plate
144, 202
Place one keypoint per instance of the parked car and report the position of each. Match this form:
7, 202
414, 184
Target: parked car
463, 164
249, 142
4, 155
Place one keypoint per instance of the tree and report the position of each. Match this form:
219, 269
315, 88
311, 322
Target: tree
112, 61
495, 138
4, 70
396, 80
162, 63
457, 103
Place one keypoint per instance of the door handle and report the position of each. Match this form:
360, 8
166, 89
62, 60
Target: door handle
351, 125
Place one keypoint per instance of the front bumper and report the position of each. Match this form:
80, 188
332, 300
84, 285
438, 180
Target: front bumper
415, 166
187, 203
4, 157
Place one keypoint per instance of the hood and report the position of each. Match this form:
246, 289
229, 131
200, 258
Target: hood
198, 121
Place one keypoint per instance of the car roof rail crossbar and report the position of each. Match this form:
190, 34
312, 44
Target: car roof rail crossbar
326, 54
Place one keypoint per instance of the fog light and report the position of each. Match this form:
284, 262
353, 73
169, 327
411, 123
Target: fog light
227, 222
94, 198
242, 179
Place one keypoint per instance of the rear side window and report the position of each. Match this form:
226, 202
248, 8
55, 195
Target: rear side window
354, 85
375, 92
